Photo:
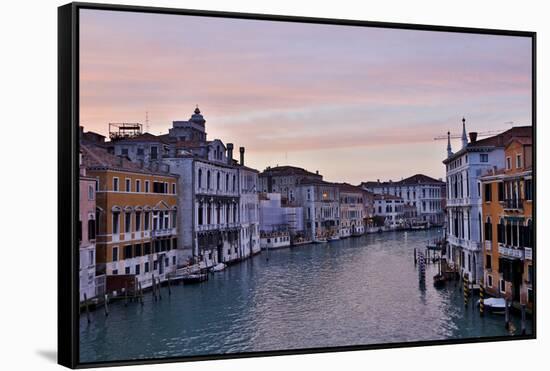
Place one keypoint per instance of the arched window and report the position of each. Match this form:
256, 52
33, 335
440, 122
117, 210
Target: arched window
208, 179
218, 181
91, 229
234, 183
227, 182
488, 232
200, 178
501, 231
200, 213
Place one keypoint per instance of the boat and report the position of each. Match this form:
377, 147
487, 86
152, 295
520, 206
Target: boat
439, 281
195, 277
300, 241
494, 305
320, 240
218, 267
333, 238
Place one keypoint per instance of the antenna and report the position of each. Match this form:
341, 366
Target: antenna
147, 121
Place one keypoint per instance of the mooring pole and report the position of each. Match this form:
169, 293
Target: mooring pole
87, 309
481, 299
523, 330
106, 305
506, 315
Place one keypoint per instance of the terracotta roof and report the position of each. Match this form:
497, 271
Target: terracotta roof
145, 137
288, 170
346, 187
522, 140
96, 157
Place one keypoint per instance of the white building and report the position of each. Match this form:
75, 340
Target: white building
274, 216
426, 194
391, 208
215, 224
463, 171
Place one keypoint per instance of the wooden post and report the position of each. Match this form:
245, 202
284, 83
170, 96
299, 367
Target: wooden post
481, 299
126, 294
523, 331
87, 309
415, 256
158, 287
153, 287
169, 289
140, 293
106, 305
506, 315
466, 290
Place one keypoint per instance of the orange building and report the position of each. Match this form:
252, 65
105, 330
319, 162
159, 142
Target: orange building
507, 211
136, 214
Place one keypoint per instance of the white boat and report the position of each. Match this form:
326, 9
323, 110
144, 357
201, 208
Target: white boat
320, 240
495, 305
218, 267
334, 237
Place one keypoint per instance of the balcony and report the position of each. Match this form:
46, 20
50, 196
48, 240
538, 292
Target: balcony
513, 204
463, 201
467, 244
488, 245
528, 253
163, 232
511, 252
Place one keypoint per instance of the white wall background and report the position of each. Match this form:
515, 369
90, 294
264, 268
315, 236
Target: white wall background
28, 187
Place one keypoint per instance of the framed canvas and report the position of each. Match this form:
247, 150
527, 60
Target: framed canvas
242, 185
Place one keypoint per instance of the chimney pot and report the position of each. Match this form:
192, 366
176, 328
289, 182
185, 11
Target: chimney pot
241, 150
473, 136
229, 153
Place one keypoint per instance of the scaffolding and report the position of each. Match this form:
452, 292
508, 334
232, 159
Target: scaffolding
124, 130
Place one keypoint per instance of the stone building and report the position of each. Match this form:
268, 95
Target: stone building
216, 225
285, 180
352, 211
136, 216
90, 285
463, 170
391, 209
507, 212
424, 193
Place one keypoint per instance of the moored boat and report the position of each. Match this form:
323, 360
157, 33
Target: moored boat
218, 267
494, 305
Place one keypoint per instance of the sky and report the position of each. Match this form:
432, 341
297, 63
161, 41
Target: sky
355, 103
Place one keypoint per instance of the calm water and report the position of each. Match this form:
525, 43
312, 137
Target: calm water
355, 291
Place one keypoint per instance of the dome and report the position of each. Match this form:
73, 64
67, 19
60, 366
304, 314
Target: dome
196, 117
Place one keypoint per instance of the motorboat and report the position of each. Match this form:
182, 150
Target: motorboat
494, 305
218, 267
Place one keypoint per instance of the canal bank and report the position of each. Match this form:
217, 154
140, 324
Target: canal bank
362, 290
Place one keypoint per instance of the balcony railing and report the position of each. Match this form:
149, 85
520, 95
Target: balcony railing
511, 252
513, 204
528, 253
162, 232
468, 244
488, 245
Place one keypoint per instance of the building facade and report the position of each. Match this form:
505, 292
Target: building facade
285, 180
352, 212
463, 171
420, 191
136, 214
391, 209
90, 285
507, 213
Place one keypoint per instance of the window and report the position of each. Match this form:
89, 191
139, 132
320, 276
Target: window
124, 151
500, 231
508, 163
140, 151
218, 181
91, 229
487, 192
173, 260
147, 248
154, 153
488, 263
137, 250
115, 254
138, 185
146, 221
518, 162
502, 286
484, 157
127, 222
227, 182
115, 184
116, 218
138, 221
208, 179
529, 189
530, 296
234, 183
137, 269
173, 188
489, 281
128, 185
488, 230
199, 178
115, 272
90, 192
127, 270
128, 252
146, 267
146, 186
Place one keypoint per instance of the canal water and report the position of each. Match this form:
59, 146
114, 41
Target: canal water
362, 290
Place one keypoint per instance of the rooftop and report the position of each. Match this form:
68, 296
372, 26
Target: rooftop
288, 170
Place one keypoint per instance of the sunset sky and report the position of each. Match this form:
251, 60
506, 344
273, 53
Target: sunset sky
355, 103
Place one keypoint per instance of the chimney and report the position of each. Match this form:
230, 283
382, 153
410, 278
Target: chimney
317, 172
241, 150
473, 136
230, 153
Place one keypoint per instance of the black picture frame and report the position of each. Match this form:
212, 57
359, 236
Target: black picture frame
68, 172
